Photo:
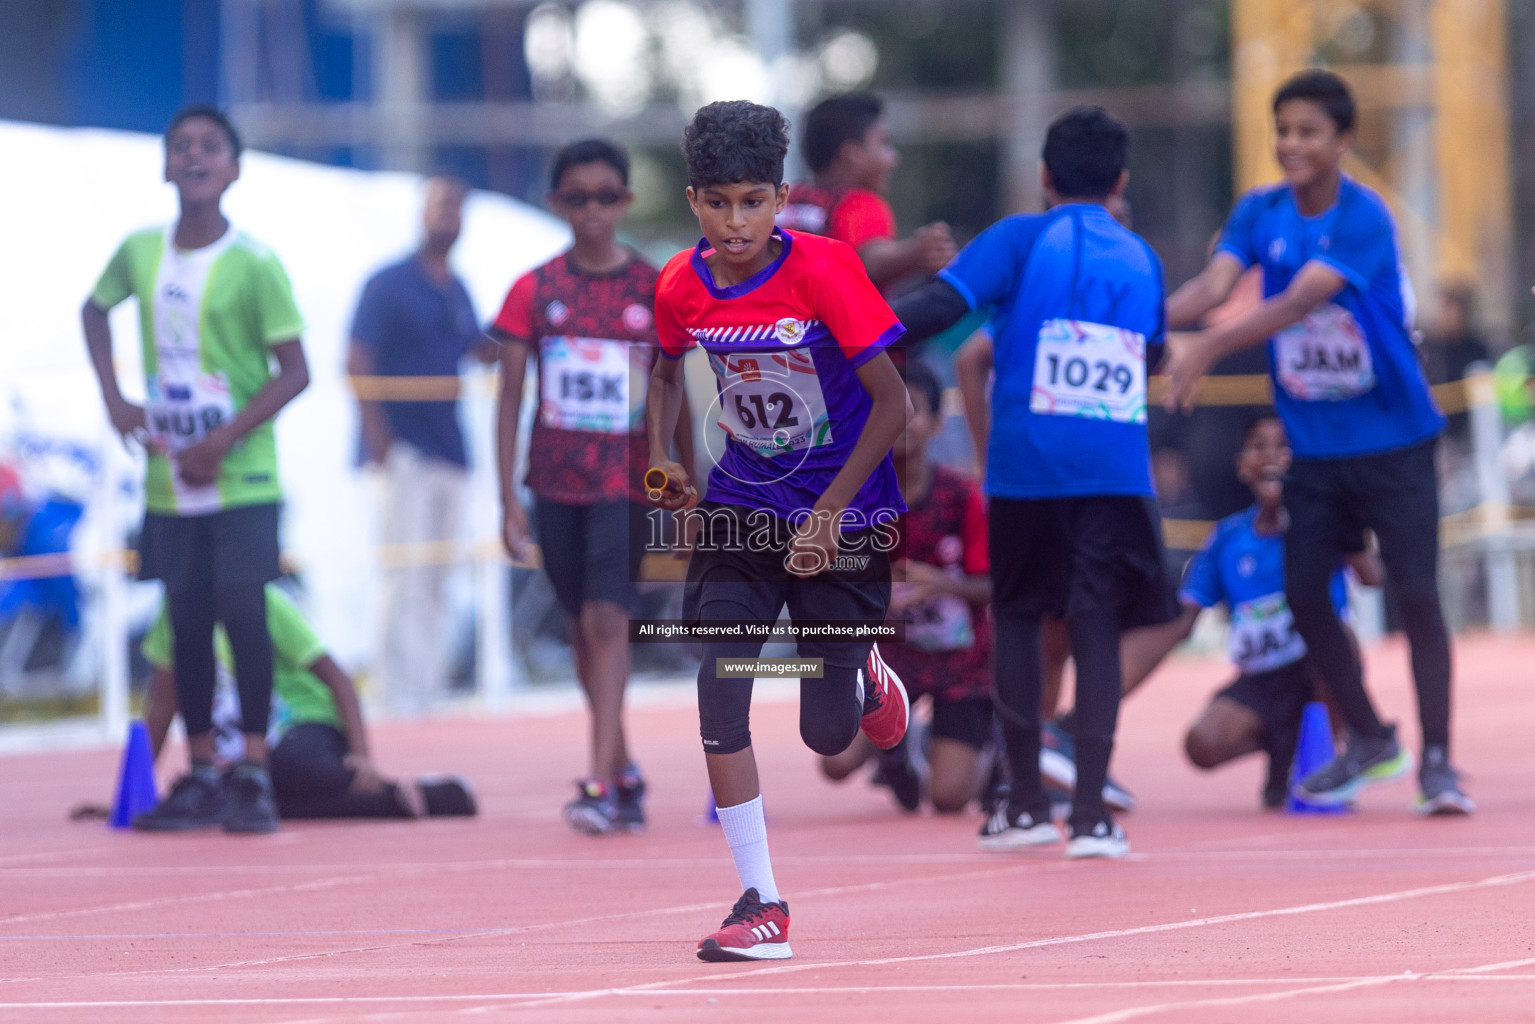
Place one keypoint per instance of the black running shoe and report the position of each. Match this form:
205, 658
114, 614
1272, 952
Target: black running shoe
629, 800
250, 804
593, 810
447, 795
195, 801
1102, 838
1440, 794
1365, 761
898, 774
1008, 829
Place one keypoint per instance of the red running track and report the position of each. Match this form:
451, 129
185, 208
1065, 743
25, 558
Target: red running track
1222, 913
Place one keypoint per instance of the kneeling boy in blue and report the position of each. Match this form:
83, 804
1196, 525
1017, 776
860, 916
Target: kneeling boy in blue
1242, 566
1074, 531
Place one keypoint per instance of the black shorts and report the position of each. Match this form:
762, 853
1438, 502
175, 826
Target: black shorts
591, 552
737, 572
966, 721
1068, 556
1277, 697
237, 545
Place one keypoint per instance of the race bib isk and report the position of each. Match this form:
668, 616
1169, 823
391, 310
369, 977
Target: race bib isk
1324, 358
587, 384
1263, 635
1089, 370
771, 402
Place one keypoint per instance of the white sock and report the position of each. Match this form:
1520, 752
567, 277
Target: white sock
746, 832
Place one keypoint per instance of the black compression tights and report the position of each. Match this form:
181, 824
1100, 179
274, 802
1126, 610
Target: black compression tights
242, 610
829, 710
1019, 679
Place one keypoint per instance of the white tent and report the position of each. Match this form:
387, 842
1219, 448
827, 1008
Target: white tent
69, 198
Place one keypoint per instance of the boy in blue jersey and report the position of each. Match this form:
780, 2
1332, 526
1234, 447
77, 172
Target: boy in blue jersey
1242, 567
1359, 413
1074, 533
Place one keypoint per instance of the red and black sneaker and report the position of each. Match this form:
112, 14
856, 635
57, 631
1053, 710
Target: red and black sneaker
886, 708
754, 931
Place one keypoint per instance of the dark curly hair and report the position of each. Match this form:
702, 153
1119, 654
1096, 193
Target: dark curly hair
734, 141
211, 113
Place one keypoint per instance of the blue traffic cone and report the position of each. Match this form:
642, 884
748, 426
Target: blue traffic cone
135, 780
1314, 749
711, 814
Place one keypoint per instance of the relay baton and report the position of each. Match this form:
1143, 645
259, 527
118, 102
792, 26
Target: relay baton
657, 483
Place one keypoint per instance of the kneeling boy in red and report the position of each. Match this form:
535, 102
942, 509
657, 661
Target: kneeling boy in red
942, 599
800, 502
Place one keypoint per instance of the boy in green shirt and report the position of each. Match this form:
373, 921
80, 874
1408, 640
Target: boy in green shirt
215, 312
320, 763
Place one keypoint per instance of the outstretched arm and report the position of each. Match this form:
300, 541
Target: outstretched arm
1190, 356
927, 251
934, 307
1202, 293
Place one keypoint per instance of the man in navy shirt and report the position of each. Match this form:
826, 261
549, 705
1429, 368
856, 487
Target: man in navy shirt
415, 320
1078, 301
1361, 419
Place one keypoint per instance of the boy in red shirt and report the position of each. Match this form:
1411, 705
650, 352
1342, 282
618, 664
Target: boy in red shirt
801, 500
943, 599
847, 147
586, 318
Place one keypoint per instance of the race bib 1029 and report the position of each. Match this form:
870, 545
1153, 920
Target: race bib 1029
1325, 357
1089, 370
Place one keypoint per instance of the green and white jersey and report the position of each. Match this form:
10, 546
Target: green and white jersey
207, 320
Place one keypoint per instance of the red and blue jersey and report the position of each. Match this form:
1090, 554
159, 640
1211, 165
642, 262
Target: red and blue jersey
785, 346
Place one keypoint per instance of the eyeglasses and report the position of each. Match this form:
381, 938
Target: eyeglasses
576, 198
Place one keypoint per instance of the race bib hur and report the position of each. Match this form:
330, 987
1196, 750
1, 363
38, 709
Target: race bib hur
587, 384
182, 413
1089, 370
1324, 358
771, 402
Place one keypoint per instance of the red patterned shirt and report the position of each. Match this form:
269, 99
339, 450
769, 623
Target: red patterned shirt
594, 337
947, 652
850, 215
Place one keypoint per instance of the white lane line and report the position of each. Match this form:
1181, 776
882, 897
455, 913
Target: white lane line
1171, 926
1467, 975
170, 901
1460, 974
650, 863
1011, 867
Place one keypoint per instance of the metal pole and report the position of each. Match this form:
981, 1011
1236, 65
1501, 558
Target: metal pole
496, 672
1493, 513
113, 590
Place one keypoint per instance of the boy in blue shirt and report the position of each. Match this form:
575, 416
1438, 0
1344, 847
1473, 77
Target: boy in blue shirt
1074, 533
1242, 566
1358, 411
